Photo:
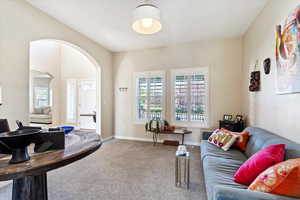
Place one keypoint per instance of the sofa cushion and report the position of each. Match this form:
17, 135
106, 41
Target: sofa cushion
208, 149
260, 139
228, 193
220, 171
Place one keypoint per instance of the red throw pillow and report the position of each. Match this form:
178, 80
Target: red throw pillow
259, 162
242, 141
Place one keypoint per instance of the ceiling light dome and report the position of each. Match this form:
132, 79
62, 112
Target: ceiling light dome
146, 19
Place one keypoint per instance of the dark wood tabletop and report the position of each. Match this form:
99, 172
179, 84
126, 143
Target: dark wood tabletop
176, 132
78, 146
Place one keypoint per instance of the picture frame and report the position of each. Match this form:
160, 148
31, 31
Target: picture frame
239, 118
227, 117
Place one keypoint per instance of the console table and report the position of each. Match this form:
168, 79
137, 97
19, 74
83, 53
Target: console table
156, 135
232, 125
30, 178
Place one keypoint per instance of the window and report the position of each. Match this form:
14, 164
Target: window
149, 96
42, 97
40, 90
190, 97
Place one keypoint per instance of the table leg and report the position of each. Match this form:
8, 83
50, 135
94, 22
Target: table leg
156, 138
30, 188
176, 172
153, 139
185, 172
188, 173
182, 143
179, 172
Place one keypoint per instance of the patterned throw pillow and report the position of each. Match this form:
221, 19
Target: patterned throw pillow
242, 140
222, 139
281, 179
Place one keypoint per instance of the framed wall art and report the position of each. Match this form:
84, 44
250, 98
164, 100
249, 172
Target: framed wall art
288, 54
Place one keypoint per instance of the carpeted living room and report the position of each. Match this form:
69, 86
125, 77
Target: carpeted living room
123, 170
149, 100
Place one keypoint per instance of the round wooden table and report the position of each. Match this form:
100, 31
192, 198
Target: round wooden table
30, 178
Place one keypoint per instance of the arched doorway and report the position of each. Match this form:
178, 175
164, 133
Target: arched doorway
96, 71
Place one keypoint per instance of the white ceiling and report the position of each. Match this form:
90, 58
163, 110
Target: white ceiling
108, 22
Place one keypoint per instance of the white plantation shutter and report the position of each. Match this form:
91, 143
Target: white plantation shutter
198, 98
149, 96
190, 97
181, 97
155, 98
142, 97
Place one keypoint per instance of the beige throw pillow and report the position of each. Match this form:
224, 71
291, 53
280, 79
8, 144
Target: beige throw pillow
223, 139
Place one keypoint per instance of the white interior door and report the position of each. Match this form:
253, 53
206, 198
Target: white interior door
87, 104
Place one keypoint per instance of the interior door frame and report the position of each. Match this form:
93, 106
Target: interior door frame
79, 100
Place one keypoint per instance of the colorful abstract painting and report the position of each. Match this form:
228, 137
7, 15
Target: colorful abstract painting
288, 54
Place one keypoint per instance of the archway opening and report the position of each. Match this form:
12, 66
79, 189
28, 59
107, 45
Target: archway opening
65, 86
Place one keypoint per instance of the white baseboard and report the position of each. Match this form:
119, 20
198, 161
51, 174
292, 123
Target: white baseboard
192, 143
135, 139
150, 140
107, 139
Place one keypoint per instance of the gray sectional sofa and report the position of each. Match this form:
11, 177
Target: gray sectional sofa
219, 166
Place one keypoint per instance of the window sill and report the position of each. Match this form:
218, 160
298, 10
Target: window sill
139, 122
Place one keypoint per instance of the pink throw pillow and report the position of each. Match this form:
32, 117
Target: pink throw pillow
258, 163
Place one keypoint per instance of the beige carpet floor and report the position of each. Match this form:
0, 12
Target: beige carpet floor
124, 170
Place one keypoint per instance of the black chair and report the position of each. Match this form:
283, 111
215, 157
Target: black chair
4, 127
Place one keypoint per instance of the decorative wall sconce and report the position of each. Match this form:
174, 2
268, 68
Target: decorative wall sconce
123, 89
255, 79
267, 65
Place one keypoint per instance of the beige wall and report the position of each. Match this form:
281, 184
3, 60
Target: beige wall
76, 65
21, 23
223, 57
277, 113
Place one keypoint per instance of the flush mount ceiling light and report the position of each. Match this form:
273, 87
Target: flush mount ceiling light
146, 19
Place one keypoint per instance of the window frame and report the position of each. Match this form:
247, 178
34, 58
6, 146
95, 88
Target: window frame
72, 83
189, 72
148, 75
35, 95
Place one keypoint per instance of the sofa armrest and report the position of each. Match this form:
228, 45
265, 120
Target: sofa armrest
227, 193
206, 135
